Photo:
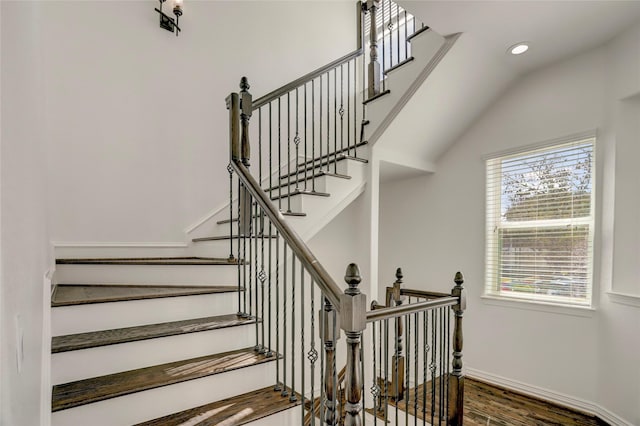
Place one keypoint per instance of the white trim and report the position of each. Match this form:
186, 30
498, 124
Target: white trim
45, 372
624, 298
575, 137
551, 396
67, 244
539, 305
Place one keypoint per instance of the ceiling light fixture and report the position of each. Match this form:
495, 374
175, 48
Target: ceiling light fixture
166, 21
519, 48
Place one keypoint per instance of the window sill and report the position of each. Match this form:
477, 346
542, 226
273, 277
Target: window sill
540, 306
624, 299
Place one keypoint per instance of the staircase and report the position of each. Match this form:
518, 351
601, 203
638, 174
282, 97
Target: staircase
201, 339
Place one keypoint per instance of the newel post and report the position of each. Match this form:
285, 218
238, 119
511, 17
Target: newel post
330, 333
456, 378
244, 152
353, 313
398, 385
374, 65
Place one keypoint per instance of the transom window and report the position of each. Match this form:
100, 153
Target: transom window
540, 218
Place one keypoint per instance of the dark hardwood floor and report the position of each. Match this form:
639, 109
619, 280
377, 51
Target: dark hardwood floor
489, 405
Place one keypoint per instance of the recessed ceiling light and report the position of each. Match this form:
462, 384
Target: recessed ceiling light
519, 48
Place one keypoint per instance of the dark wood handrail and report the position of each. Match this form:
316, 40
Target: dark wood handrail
275, 94
329, 288
305, 79
397, 311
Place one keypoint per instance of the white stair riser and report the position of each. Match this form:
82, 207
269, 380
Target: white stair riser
205, 248
150, 404
105, 316
147, 274
82, 364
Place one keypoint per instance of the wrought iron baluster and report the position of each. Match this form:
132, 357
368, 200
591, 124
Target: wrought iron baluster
302, 340
284, 322
349, 108
231, 258
432, 366
335, 120
407, 367
375, 389
313, 354
306, 139
386, 371
425, 358
279, 154
288, 153
296, 142
328, 121
313, 136
277, 354
250, 262
406, 40
292, 397
416, 318
320, 140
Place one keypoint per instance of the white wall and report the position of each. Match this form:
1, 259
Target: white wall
136, 117
433, 226
24, 237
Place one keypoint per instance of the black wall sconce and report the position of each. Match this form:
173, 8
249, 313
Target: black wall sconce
166, 21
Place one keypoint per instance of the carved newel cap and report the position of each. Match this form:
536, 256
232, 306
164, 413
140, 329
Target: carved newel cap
353, 304
399, 275
458, 279
244, 84
353, 278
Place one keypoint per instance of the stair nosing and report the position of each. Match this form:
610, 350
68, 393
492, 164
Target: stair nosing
56, 405
399, 65
193, 291
298, 192
378, 96
284, 213
173, 418
305, 178
418, 32
227, 321
226, 237
340, 157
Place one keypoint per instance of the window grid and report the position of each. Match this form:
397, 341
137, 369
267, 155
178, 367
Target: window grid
539, 224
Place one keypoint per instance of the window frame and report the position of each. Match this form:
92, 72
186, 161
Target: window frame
493, 214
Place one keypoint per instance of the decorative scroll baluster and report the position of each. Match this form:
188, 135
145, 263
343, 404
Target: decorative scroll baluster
330, 335
374, 65
456, 379
353, 305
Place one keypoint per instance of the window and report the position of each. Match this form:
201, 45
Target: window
540, 216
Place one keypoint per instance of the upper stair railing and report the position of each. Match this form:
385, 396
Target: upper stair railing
303, 130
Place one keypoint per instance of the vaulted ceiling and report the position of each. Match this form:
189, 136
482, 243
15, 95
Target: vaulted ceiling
478, 69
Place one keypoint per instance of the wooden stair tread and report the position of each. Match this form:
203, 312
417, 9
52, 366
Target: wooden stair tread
301, 178
324, 163
338, 152
237, 410
81, 294
300, 192
226, 237
81, 392
284, 213
94, 339
150, 261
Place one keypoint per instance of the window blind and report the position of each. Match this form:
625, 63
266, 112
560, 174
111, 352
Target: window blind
540, 216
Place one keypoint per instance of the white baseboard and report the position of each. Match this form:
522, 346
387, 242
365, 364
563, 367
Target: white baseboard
549, 395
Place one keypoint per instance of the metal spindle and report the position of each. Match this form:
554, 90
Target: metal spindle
375, 389
328, 122
425, 357
284, 322
416, 317
320, 123
335, 121
292, 397
302, 354
397, 33
349, 107
313, 354
313, 136
406, 37
296, 141
306, 138
277, 354
279, 154
288, 153
432, 366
